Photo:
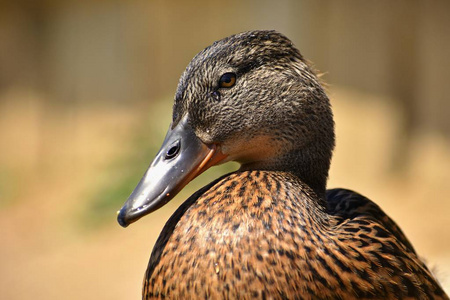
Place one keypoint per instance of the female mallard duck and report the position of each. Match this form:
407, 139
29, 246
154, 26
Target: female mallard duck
269, 230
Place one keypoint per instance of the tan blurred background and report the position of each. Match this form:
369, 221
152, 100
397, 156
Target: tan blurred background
86, 90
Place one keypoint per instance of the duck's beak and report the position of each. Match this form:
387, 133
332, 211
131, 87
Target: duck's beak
181, 158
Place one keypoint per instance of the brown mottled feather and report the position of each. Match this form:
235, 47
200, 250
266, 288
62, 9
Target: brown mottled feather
260, 234
271, 230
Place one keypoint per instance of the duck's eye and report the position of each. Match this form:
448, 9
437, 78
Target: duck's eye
227, 80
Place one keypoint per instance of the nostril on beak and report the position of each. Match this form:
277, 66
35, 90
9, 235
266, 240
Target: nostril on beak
173, 150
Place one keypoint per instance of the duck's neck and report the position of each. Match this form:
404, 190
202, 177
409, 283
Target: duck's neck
311, 165
312, 168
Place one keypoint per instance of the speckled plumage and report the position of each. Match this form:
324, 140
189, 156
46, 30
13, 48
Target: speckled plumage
266, 235
271, 230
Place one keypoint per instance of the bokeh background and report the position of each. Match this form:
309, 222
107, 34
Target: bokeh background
86, 90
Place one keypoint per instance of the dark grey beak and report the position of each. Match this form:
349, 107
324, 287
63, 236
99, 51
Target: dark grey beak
181, 158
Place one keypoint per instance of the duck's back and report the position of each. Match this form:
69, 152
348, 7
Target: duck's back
266, 235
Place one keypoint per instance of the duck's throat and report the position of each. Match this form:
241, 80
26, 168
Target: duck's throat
310, 165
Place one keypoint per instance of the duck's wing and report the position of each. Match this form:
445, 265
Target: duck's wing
348, 205
357, 218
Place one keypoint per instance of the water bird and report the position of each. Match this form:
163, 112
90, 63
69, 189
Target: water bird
269, 230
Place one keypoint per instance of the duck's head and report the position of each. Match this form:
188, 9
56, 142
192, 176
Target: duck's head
249, 98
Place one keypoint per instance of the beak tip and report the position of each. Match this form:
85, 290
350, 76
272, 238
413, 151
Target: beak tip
122, 219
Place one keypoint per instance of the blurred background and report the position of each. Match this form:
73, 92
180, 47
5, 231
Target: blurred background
86, 90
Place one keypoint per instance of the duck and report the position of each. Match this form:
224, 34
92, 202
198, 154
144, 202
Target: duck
271, 229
